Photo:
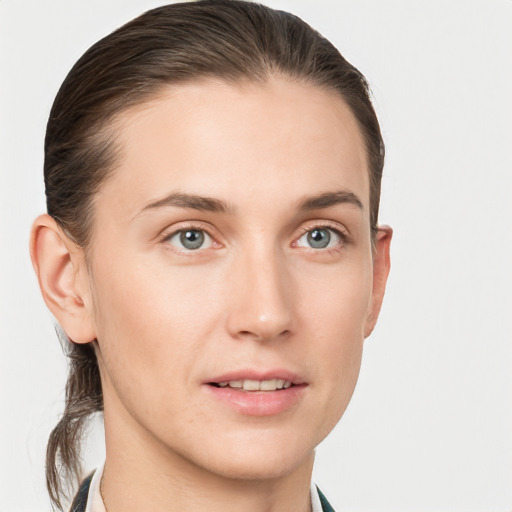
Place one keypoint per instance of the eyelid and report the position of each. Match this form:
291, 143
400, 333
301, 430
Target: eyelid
339, 229
169, 232
325, 224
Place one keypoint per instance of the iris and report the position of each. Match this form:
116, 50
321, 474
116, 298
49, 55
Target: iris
319, 238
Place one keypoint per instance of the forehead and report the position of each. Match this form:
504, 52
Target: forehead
269, 141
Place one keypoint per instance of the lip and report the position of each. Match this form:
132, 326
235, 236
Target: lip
257, 403
252, 374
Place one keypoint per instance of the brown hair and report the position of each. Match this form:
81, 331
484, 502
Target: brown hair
228, 39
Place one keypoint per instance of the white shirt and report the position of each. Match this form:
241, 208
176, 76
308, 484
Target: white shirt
95, 502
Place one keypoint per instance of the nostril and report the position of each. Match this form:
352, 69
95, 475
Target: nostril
264, 336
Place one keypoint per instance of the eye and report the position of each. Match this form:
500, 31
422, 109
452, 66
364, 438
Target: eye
320, 238
190, 239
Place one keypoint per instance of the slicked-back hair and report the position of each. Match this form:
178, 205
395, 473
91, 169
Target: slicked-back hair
231, 40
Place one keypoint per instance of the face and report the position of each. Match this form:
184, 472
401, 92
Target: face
230, 274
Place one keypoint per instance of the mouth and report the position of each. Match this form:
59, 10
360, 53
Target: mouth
257, 393
252, 385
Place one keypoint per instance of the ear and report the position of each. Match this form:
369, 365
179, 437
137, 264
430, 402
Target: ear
381, 266
62, 274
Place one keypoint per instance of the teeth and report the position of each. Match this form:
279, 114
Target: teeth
251, 385
268, 385
257, 385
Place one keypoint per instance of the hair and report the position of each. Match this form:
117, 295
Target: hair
231, 40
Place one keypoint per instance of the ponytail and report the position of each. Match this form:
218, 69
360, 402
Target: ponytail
84, 397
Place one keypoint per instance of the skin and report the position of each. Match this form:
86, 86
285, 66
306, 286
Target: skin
255, 296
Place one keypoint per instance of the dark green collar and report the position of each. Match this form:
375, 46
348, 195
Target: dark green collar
80, 501
326, 506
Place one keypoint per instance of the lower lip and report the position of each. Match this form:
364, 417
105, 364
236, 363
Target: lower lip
258, 403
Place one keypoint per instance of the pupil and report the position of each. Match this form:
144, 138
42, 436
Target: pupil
319, 238
192, 239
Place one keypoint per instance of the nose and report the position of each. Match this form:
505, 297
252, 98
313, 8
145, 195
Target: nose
261, 303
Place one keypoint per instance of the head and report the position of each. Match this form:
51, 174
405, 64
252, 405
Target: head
212, 175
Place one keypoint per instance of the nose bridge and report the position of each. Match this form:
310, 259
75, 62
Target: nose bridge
261, 306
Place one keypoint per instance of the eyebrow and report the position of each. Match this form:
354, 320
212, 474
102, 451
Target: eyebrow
210, 204
328, 199
196, 202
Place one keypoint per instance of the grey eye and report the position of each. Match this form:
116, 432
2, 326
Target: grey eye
320, 238
191, 239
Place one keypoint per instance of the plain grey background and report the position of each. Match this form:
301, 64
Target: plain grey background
430, 425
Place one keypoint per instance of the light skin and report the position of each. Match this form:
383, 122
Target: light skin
277, 277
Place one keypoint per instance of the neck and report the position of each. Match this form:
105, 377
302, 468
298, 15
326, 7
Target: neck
129, 490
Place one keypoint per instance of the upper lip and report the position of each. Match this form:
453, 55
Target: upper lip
260, 375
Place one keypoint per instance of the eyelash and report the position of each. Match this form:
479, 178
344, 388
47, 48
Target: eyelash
335, 228
194, 226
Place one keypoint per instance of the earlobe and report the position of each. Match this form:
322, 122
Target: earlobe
381, 266
60, 267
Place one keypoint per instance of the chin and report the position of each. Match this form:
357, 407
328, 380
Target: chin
260, 466
262, 457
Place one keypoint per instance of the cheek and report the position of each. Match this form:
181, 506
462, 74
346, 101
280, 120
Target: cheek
152, 322
336, 315
336, 303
